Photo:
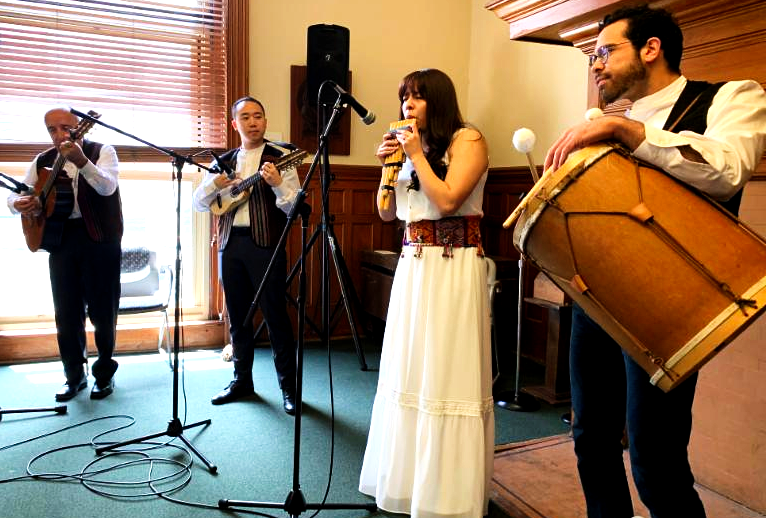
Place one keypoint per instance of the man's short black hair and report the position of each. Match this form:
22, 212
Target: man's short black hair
644, 23
247, 98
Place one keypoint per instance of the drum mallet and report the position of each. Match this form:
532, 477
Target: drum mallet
524, 141
593, 113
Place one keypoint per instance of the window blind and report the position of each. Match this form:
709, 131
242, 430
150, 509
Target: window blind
156, 69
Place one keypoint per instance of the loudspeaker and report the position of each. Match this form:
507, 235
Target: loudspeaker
326, 59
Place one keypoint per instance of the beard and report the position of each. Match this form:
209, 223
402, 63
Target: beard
622, 83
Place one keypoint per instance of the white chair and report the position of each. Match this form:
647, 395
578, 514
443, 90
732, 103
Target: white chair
493, 287
145, 289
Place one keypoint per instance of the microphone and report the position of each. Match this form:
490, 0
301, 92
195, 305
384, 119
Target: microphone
367, 116
221, 165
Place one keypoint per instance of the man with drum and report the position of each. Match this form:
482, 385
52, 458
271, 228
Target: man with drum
711, 137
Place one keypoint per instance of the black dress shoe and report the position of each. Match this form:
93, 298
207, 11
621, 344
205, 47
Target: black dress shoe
70, 389
100, 391
289, 402
235, 390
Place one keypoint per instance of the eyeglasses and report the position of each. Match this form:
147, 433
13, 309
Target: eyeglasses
603, 53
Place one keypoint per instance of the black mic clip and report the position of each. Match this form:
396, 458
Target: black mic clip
18, 187
367, 116
220, 166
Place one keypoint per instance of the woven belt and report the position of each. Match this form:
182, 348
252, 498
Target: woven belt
458, 231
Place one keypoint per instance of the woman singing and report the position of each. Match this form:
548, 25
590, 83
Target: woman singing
430, 446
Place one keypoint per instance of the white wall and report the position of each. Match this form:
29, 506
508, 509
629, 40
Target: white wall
515, 84
501, 84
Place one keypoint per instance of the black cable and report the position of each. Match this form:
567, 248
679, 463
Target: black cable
180, 477
91, 476
41, 436
332, 432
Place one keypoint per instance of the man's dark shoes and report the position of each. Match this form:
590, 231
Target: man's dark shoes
289, 402
101, 390
235, 390
71, 388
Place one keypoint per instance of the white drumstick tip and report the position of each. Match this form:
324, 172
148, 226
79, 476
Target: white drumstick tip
524, 140
593, 113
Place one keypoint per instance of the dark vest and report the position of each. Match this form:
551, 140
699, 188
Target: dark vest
102, 214
267, 221
700, 93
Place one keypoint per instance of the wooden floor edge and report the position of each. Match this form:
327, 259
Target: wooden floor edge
553, 440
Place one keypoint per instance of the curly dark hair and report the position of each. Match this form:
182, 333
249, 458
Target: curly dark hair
644, 23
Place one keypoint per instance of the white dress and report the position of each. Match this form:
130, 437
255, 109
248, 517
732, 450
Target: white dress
431, 441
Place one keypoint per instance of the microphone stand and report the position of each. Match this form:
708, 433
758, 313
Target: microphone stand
15, 186
517, 400
175, 427
19, 188
59, 409
295, 503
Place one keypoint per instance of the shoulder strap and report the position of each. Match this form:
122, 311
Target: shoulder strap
275, 150
698, 95
284, 147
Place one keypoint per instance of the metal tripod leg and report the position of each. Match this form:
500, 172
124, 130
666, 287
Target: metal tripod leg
343, 279
343, 276
293, 272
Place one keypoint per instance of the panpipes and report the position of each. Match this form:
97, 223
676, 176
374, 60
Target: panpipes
392, 165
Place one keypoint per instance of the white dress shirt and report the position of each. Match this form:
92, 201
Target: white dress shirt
732, 144
248, 161
102, 176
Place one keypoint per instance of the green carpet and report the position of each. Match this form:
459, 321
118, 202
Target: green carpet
250, 441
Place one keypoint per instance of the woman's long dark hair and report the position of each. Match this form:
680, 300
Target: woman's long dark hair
443, 116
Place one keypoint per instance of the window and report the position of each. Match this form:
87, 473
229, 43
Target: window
149, 211
152, 69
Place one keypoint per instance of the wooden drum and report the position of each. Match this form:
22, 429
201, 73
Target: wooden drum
670, 275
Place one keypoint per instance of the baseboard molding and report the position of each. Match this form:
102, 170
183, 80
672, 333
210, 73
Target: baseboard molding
40, 345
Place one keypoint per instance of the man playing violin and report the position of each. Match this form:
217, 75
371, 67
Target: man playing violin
84, 258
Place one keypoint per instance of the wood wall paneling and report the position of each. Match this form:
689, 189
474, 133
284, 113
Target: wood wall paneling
503, 191
303, 118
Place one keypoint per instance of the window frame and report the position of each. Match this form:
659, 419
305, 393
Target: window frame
237, 82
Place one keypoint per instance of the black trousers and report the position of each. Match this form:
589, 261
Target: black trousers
85, 276
243, 265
